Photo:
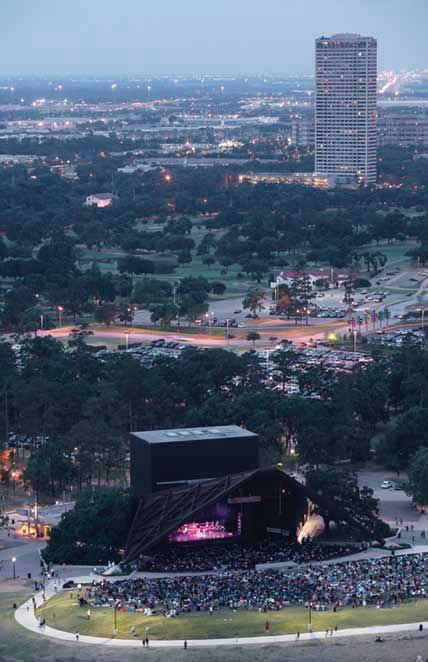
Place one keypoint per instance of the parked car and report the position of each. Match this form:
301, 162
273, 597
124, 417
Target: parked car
386, 485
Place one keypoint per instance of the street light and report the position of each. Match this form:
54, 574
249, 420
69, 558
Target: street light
60, 310
227, 331
14, 566
310, 618
209, 319
126, 340
116, 607
423, 321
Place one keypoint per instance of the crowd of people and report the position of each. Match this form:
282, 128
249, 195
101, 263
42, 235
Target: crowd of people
201, 557
382, 581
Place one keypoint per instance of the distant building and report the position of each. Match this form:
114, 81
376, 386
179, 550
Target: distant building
137, 167
303, 178
403, 129
302, 132
333, 277
99, 200
345, 108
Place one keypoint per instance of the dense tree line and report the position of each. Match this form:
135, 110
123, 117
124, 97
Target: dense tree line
83, 407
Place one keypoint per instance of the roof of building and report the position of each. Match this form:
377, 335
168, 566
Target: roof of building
318, 273
161, 513
101, 196
193, 434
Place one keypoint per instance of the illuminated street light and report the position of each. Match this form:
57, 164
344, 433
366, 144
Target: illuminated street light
60, 310
14, 566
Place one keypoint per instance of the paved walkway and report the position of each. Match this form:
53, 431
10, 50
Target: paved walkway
26, 617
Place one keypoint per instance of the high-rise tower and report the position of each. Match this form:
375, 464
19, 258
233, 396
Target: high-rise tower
345, 109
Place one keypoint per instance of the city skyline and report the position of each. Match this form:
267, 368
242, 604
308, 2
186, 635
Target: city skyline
101, 40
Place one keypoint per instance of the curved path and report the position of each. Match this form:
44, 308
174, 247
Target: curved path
26, 617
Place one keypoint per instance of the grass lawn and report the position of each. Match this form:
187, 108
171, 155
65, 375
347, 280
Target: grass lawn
63, 613
15, 644
19, 645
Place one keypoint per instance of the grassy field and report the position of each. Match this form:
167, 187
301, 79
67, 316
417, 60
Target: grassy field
19, 645
64, 613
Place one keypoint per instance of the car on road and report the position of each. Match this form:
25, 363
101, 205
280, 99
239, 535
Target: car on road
237, 312
241, 325
386, 485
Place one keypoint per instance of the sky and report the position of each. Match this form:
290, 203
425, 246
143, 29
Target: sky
161, 37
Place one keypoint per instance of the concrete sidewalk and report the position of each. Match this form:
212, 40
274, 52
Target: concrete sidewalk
26, 617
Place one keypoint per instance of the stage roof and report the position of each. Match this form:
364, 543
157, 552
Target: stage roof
193, 434
162, 512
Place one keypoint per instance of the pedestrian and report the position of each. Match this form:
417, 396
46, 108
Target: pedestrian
88, 613
267, 626
147, 642
185, 643
297, 636
143, 641
77, 636
335, 628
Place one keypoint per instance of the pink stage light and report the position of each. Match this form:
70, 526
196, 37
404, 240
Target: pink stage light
192, 531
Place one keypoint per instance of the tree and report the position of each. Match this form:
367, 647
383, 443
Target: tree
94, 531
184, 257
302, 293
126, 314
150, 290
50, 468
135, 265
218, 288
402, 437
418, 477
358, 504
7, 376
192, 297
209, 260
252, 336
285, 361
164, 313
106, 313
254, 301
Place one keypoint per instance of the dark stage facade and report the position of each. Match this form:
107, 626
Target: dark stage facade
241, 507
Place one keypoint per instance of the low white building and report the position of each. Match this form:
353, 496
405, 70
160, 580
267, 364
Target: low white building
99, 200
